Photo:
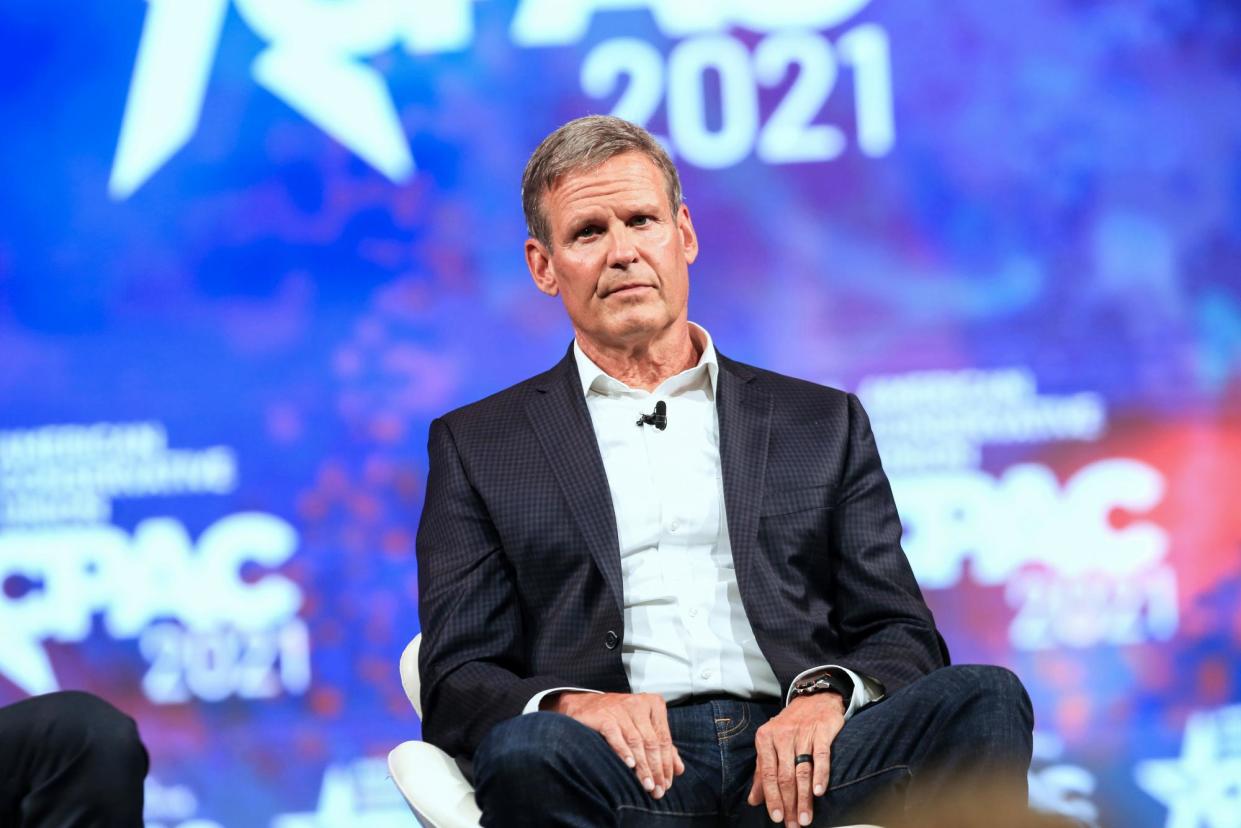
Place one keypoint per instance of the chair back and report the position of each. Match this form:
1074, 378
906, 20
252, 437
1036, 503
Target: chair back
409, 674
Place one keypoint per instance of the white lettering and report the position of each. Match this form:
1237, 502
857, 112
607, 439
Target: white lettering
72, 574
562, 22
790, 134
316, 62
1025, 517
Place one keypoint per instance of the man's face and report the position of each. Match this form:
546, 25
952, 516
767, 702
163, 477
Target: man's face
619, 257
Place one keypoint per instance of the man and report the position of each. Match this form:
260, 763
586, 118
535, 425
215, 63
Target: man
70, 760
662, 587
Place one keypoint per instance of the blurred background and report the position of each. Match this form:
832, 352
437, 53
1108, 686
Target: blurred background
250, 248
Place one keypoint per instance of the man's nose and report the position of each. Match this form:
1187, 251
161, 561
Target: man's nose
622, 251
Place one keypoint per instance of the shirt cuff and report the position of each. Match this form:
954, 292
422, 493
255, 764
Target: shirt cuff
532, 706
865, 691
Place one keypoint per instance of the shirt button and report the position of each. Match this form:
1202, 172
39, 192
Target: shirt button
611, 640
705, 674
693, 612
672, 527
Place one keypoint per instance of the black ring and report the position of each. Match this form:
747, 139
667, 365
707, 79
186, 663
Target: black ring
803, 757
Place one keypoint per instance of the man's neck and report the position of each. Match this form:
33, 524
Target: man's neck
646, 364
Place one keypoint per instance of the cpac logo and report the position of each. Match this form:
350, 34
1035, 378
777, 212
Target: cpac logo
315, 53
77, 573
1026, 517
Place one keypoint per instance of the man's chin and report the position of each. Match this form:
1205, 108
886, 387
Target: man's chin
640, 324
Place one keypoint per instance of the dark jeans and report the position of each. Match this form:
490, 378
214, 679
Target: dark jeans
69, 760
955, 726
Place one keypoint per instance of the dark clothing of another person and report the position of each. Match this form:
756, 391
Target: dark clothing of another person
69, 760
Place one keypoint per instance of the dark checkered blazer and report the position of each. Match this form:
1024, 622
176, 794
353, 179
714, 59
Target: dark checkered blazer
519, 566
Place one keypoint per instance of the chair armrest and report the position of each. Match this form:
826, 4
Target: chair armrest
433, 785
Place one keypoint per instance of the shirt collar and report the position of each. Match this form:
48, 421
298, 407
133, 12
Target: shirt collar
594, 377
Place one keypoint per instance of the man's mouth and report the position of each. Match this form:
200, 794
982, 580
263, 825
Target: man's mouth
627, 288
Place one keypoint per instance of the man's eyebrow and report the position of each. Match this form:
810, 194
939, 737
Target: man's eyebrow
583, 220
646, 208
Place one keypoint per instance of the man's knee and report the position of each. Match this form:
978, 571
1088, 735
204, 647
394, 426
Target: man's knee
967, 681
989, 707
997, 685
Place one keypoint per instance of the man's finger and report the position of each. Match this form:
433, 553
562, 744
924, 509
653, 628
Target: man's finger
654, 754
756, 787
822, 759
637, 745
615, 737
766, 749
784, 774
802, 773
668, 751
654, 747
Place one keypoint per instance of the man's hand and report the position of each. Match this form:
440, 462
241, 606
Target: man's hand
808, 725
635, 725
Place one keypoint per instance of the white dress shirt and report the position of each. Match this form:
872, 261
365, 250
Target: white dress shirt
686, 630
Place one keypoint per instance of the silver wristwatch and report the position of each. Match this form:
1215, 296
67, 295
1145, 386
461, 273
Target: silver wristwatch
825, 682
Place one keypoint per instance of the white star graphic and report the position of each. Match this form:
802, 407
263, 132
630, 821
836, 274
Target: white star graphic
1201, 789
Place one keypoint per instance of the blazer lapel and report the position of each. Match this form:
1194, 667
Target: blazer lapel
745, 424
559, 417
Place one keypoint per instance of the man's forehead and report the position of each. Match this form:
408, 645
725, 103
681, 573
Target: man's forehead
628, 177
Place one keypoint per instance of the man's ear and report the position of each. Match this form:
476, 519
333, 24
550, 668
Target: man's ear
539, 261
689, 238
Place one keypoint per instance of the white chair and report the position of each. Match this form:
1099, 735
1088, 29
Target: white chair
428, 778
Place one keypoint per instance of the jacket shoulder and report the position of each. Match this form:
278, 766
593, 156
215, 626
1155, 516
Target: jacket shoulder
501, 406
792, 391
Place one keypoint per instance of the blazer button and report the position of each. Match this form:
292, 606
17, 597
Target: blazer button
611, 640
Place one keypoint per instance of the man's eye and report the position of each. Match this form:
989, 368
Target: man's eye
638, 221
589, 230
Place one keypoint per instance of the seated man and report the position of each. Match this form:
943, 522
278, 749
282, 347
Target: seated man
69, 760
662, 587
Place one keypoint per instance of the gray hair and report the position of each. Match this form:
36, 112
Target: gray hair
583, 144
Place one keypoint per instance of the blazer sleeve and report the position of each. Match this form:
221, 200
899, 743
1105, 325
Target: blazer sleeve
885, 626
472, 658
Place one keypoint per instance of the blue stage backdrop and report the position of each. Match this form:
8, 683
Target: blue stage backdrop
250, 248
